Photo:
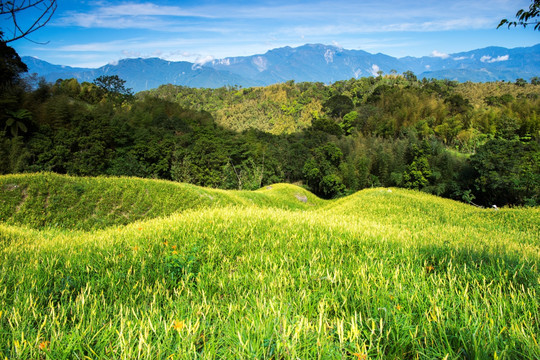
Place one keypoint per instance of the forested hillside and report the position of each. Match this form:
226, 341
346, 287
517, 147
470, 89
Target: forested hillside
477, 143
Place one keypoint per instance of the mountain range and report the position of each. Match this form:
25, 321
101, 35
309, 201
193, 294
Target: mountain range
310, 62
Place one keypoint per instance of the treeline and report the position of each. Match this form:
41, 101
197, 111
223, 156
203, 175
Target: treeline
336, 139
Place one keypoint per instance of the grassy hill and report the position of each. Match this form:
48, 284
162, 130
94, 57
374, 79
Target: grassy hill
51, 200
129, 268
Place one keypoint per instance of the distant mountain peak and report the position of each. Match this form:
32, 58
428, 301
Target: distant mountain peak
309, 62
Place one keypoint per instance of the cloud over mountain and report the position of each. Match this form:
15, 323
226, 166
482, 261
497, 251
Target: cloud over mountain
489, 59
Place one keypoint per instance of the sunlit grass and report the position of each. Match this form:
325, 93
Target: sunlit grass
384, 273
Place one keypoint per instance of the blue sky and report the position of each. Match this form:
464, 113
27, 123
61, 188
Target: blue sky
94, 33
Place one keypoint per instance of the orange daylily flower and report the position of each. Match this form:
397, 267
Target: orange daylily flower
178, 325
360, 356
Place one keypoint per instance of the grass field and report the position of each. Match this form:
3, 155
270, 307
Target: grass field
121, 268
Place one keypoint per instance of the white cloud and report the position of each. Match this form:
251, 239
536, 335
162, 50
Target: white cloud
336, 44
260, 62
329, 56
201, 60
204, 59
501, 58
407, 17
485, 58
145, 9
489, 59
438, 54
129, 15
131, 54
374, 69
460, 58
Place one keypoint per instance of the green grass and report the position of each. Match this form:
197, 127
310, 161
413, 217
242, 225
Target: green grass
49, 200
211, 274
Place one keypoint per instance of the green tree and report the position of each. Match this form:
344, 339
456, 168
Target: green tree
14, 155
521, 82
112, 83
16, 121
338, 105
507, 172
458, 104
114, 88
321, 171
418, 172
348, 122
409, 76
11, 66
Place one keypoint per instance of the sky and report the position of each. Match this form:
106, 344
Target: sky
96, 33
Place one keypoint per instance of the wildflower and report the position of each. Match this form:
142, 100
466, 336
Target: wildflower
44, 345
430, 268
165, 243
398, 307
178, 325
175, 252
135, 248
140, 228
174, 246
360, 356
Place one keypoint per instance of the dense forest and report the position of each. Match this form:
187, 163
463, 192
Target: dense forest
478, 143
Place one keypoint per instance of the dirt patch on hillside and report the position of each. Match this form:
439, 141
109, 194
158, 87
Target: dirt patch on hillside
23, 200
11, 187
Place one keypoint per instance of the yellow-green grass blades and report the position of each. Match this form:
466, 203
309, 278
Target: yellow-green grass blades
276, 273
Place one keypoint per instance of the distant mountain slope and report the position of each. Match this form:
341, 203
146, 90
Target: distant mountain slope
143, 74
488, 64
308, 63
311, 62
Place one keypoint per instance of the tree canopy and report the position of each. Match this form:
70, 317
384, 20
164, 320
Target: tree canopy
11, 65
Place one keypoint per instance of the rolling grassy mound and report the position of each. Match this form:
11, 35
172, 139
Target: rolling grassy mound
381, 274
52, 200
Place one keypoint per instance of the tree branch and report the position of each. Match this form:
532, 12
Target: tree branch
45, 16
10, 6
523, 17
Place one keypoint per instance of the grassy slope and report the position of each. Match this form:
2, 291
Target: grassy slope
384, 273
41, 200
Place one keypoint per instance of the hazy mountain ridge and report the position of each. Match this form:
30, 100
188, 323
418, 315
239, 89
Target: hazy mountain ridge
310, 62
